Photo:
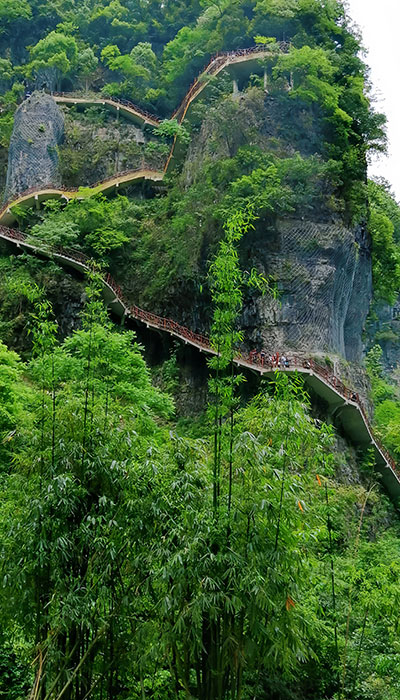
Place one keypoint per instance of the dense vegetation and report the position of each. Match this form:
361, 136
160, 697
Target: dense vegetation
140, 562
246, 552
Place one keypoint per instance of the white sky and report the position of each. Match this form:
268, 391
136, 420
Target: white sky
379, 21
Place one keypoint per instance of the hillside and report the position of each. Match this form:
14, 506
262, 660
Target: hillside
200, 400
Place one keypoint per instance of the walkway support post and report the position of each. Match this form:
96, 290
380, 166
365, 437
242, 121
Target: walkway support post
265, 80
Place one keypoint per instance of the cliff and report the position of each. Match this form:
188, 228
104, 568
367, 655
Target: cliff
33, 155
96, 145
323, 272
321, 263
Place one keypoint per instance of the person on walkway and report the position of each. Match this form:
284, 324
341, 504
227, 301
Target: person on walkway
262, 357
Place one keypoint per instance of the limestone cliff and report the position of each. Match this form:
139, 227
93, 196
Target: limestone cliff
96, 146
323, 273
33, 154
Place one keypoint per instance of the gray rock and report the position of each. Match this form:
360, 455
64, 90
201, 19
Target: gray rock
323, 272
33, 155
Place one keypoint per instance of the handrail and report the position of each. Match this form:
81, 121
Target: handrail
257, 361
261, 362
216, 63
222, 57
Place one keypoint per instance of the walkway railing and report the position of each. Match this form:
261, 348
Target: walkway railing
260, 362
254, 360
216, 64
118, 101
113, 179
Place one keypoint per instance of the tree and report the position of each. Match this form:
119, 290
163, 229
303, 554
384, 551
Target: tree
313, 74
137, 68
13, 10
52, 58
87, 62
143, 55
53, 233
81, 483
171, 129
14, 401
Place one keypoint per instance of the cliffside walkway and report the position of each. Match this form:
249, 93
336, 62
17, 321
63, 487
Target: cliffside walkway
345, 405
116, 104
218, 62
34, 196
248, 59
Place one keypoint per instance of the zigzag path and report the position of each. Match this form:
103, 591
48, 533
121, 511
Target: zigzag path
248, 59
345, 405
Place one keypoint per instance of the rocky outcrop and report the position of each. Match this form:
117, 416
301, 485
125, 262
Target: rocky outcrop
33, 154
97, 145
324, 279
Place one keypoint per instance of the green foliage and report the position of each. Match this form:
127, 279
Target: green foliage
51, 234
14, 401
169, 129
137, 69
313, 78
13, 11
57, 54
15, 674
96, 224
139, 561
262, 189
9, 103
373, 361
384, 227
87, 61
19, 290
168, 376
386, 399
124, 517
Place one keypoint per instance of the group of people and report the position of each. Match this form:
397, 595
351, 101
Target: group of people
274, 361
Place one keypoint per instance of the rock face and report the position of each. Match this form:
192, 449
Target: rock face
33, 155
323, 274
96, 146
